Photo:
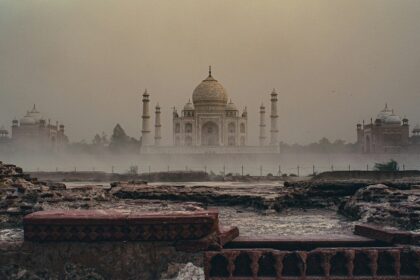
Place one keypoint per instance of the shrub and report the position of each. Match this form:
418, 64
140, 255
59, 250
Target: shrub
391, 165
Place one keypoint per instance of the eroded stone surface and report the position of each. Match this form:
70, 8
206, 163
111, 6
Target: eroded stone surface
262, 197
381, 204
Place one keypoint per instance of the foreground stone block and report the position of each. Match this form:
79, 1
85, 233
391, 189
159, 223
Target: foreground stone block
199, 229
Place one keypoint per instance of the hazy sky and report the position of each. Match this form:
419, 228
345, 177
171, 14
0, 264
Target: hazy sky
334, 63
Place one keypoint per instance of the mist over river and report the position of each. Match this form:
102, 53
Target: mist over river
252, 164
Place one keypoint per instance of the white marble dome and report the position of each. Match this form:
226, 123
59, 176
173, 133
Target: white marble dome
28, 119
384, 114
387, 116
392, 119
210, 92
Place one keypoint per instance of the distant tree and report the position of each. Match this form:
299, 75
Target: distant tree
391, 165
120, 141
104, 139
324, 145
97, 140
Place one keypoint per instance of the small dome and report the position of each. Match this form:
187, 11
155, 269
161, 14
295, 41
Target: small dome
231, 107
35, 114
189, 106
28, 119
384, 113
393, 119
387, 116
210, 92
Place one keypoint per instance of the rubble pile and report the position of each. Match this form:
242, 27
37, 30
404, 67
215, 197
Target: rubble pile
21, 195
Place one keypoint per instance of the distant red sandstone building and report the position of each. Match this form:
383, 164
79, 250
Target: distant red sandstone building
387, 134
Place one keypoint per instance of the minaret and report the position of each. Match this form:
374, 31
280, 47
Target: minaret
145, 132
273, 117
158, 134
262, 125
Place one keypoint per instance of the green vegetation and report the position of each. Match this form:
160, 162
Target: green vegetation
391, 165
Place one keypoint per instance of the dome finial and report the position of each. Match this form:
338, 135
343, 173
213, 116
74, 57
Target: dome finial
209, 70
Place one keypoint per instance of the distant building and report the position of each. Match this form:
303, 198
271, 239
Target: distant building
4, 135
210, 123
387, 134
210, 120
415, 138
34, 133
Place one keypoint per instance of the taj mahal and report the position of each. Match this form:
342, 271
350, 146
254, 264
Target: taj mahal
210, 123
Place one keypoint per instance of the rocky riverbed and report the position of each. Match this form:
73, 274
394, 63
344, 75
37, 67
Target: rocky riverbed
320, 206
394, 203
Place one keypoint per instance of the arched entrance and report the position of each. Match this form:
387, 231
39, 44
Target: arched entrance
210, 134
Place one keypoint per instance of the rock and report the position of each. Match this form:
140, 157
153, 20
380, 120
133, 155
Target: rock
192, 272
56, 186
218, 195
178, 271
381, 204
20, 188
13, 211
26, 206
46, 194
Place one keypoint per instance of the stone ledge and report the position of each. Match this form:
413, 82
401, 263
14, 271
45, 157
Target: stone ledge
199, 229
387, 235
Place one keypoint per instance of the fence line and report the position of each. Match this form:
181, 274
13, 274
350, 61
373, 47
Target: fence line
225, 169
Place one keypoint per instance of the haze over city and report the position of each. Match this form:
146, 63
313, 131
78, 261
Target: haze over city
333, 63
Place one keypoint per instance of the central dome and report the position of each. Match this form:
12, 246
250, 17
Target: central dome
210, 92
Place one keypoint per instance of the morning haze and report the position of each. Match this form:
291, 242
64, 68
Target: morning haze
333, 63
